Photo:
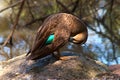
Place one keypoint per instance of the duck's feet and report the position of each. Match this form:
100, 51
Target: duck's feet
64, 58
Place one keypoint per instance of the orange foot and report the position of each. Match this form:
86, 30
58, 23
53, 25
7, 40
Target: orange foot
64, 58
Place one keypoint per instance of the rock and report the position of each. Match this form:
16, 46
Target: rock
115, 69
75, 67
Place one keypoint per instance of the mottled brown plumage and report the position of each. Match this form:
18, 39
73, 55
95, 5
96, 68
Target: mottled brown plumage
65, 27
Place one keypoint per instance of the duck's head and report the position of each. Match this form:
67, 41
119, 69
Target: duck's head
79, 38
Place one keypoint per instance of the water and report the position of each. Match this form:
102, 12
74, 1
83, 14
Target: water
102, 48
1, 39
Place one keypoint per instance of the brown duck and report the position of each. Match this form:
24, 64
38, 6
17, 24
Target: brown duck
55, 32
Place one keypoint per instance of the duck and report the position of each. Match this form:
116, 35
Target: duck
57, 30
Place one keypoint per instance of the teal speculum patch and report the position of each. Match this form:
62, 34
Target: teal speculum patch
50, 39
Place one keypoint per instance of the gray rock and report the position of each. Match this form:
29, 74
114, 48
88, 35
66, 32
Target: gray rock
74, 67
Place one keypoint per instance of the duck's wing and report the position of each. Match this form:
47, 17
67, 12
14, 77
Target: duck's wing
40, 38
61, 37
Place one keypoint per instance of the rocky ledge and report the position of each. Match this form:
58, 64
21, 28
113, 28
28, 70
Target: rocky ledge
74, 67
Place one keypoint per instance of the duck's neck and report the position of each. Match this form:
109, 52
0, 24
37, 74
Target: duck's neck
50, 39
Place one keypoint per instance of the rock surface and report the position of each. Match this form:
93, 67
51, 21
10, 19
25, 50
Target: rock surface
115, 69
75, 67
